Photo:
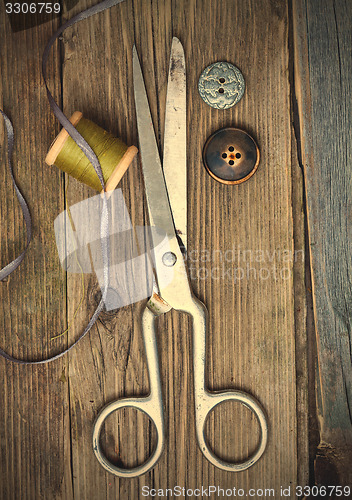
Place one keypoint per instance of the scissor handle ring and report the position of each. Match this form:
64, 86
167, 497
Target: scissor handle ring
212, 399
147, 406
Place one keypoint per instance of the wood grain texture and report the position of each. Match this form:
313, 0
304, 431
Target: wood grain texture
323, 64
303, 323
247, 338
35, 452
238, 229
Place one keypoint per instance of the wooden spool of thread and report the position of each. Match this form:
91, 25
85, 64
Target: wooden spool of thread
114, 156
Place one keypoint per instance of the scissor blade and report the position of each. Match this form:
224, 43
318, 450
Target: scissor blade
175, 155
155, 188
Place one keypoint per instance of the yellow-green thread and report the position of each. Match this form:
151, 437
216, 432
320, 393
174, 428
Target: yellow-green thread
109, 150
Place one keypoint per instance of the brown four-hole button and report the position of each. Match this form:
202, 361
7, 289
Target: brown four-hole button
231, 156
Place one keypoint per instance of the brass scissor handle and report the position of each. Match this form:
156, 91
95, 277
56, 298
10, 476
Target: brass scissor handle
205, 401
151, 405
146, 405
209, 400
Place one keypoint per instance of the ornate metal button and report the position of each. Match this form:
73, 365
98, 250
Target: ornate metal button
231, 156
221, 85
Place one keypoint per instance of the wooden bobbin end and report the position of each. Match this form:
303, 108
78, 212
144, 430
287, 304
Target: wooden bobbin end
121, 168
60, 140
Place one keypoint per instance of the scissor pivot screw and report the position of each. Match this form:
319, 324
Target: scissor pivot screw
169, 259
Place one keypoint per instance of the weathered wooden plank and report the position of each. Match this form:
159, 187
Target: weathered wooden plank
252, 321
323, 65
251, 340
97, 77
35, 451
303, 322
252, 337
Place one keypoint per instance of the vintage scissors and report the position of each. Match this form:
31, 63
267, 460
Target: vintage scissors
164, 187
